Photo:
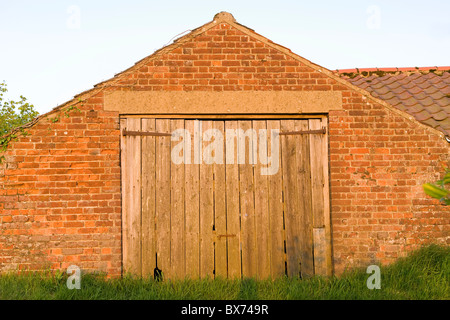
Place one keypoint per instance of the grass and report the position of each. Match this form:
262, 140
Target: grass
425, 274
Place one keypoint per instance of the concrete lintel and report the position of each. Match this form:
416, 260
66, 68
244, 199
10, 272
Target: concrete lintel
206, 102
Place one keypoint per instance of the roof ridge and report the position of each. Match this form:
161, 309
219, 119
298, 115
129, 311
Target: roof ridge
391, 70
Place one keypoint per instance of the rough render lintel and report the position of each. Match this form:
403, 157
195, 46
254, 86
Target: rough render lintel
205, 102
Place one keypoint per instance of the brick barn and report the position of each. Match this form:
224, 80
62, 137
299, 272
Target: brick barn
94, 182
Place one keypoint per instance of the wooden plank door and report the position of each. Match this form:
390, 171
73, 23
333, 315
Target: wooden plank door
131, 198
217, 211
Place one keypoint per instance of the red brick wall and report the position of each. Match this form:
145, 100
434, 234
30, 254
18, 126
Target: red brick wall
60, 201
378, 163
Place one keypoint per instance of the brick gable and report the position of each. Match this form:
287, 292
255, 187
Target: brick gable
224, 59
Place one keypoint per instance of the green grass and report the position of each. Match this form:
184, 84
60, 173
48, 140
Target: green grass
425, 274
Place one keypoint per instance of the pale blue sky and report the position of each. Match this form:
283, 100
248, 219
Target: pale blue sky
49, 53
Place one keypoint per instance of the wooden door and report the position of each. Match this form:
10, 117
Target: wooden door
225, 198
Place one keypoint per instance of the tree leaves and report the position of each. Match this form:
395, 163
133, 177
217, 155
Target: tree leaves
14, 113
437, 190
10, 118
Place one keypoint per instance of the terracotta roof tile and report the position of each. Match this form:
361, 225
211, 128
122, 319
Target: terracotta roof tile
433, 92
422, 92
441, 115
442, 86
443, 103
434, 109
446, 76
431, 122
422, 115
416, 108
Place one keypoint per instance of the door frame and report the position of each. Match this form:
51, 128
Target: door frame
326, 245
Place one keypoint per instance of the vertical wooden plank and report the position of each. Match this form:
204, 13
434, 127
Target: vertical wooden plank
148, 199
163, 199
262, 227
125, 191
206, 215
247, 200
192, 207
132, 201
304, 196
320, 263
326, 199
177, 241
317, 170
277, 234
220, 212
320, 200
291, 201
232, 201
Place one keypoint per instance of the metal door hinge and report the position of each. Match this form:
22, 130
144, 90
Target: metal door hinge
323, 131
226, 236
141, 133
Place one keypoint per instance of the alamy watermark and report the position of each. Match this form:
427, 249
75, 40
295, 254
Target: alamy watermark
73, 22
226, 143
374, 281
373, 22
74, 280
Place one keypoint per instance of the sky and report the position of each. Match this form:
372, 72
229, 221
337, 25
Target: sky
51, 50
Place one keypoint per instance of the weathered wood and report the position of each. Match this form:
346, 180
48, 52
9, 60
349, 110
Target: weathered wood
262, 222
163, 199
247, 200
232, 205
291, 201
177, 234
317, 171
206, 215
320, 195
203, 218
125, 191
320, 263
220, 210
275, 191
304, 195
132, 221
148, 200
326, 199
192, 207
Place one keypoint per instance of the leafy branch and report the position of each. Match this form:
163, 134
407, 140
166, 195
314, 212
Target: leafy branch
437, 190
13, 115
65, 112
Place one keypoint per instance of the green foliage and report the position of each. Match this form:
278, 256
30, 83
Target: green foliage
71, 108
14, 113
437, 190
424, 274
10, 118
65, 112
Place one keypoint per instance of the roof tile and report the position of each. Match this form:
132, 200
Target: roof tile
422, 115
431, 122
422, 92
441, 115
